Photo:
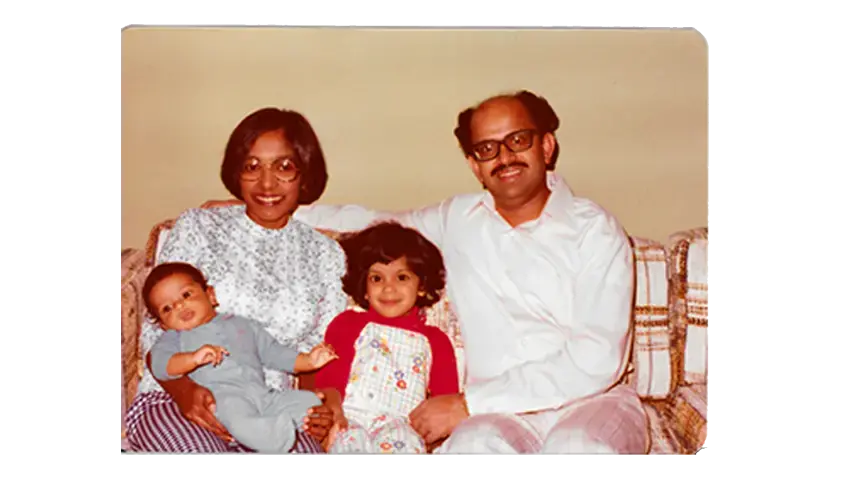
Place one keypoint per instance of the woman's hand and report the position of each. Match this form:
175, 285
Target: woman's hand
321, 418
197, 405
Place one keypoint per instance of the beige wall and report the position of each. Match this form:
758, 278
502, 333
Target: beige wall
632, 104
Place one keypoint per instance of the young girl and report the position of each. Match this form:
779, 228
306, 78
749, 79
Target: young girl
226, 354
389, 360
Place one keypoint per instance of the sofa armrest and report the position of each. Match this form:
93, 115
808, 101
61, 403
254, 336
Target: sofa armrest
689, 300
687, 411
134, 272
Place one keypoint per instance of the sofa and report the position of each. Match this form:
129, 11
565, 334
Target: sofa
669, 357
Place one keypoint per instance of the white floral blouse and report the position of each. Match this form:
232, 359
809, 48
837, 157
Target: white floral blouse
289, 280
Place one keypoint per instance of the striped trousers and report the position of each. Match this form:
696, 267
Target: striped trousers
154, 424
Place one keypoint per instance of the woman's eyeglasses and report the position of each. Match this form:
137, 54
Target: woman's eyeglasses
284, 169
516, 142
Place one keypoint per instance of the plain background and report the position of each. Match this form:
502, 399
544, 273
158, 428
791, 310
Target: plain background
632, 104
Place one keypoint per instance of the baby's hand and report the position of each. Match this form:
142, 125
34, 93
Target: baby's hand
320, 355
209, 354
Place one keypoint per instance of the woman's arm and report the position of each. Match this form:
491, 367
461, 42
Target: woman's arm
195, 402
306, 381
333, 264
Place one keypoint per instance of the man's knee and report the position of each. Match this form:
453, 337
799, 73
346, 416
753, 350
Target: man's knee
625, 436
614, 422
490, 433
575, 440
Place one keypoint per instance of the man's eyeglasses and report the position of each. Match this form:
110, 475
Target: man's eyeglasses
516, 142
284, 169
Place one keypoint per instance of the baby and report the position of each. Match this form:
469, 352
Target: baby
389, 360
226, 354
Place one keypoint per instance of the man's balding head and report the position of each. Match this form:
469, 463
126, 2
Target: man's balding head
536, 110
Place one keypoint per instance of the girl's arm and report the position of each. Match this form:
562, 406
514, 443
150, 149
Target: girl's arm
444, 377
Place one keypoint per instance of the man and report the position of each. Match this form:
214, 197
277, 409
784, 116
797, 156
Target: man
542, 284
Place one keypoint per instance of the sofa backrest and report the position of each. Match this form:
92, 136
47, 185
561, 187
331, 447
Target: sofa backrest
651, 371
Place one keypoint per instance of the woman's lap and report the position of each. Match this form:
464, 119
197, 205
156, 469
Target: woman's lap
154, 424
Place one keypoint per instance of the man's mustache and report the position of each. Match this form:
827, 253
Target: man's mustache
503, 167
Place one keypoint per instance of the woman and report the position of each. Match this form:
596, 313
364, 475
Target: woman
264, 265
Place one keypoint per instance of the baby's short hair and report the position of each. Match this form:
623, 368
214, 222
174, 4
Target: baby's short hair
384, 243
164, 271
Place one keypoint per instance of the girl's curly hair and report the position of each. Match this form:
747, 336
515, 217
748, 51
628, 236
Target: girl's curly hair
384, 243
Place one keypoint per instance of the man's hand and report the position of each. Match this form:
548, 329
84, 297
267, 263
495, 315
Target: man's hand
437, 416
209, 354
431, 447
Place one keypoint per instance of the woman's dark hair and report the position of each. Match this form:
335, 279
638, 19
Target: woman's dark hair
163, 271
310, 160
384, 243
542, 114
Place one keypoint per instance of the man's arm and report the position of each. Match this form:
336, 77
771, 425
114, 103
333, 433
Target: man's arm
430, 221
595, 353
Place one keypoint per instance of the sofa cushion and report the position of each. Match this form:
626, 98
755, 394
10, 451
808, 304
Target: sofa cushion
690, 301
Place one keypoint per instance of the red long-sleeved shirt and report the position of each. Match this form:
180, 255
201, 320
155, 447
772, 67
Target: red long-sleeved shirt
344, 330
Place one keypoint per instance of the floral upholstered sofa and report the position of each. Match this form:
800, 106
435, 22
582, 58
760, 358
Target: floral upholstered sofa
669, 360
